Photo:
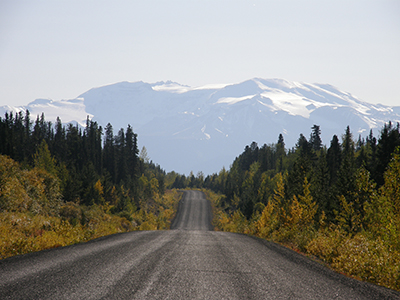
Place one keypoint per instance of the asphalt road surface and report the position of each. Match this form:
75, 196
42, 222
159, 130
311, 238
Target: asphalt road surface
189, 262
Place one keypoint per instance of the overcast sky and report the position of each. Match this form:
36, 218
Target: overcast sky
60, 49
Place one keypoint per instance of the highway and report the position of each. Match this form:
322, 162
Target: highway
191, 261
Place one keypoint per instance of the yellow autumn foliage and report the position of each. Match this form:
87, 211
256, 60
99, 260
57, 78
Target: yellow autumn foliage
365, 246
33, 216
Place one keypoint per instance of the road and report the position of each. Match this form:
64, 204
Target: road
189, 262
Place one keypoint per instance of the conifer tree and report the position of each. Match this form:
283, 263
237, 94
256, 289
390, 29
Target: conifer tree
120, 156
249, 190
280, 152
27, 144
387, 143
315, 138
131, 152
60, 147
320, 183
346, 180
301, 167
109, 152
334, 160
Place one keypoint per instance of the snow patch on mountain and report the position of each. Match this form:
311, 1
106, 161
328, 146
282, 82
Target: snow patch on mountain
216, 86
289, 102
233, 100
69, 111
171, 87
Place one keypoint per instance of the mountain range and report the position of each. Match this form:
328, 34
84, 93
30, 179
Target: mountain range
204, 128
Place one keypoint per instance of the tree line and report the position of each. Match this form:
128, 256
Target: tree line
331, 171
91, 170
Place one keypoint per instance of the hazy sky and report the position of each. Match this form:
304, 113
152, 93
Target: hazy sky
60, 49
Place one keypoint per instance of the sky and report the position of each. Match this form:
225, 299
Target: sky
57, 49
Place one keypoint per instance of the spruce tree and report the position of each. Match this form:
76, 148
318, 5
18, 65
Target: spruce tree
120, 156
315, 138
60, 147
387, 143
131, 152
109, 152
346, 180
334, 160
280, 152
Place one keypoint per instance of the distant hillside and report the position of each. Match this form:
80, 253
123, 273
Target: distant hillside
203, 129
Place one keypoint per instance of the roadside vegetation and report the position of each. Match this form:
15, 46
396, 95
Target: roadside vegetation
339, 205
64, 185
33, 216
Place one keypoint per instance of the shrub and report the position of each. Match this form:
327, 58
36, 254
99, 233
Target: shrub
369, 260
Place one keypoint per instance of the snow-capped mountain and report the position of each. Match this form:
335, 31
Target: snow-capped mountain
204, 128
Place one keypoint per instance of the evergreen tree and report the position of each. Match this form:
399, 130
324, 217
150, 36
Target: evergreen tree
92, 144
346, 180
266, 157
27, 127
109, 152
334, 160
131, 152
250, 188
320, 184
280, 152
120, 156
387, 143
60, 146
303, 147
74, 147
371, 152
301, 167
8, 136
315, 138
18, 137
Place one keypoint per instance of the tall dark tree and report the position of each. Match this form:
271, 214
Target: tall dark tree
320, 185
280, 152
303, 146
41, 131
387, 143
92, 144
60, 146
302, 168
9, 134
334, 160
75, 148
120, 156
109, 152
132, 151
371, 152
266, 155
315, 138
346, 179
249, 156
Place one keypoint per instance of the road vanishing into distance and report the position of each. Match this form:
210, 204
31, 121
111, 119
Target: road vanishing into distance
189, 262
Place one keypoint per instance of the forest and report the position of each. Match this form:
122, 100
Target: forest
61, 185
339, 205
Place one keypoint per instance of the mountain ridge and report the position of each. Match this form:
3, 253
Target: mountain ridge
204, 128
